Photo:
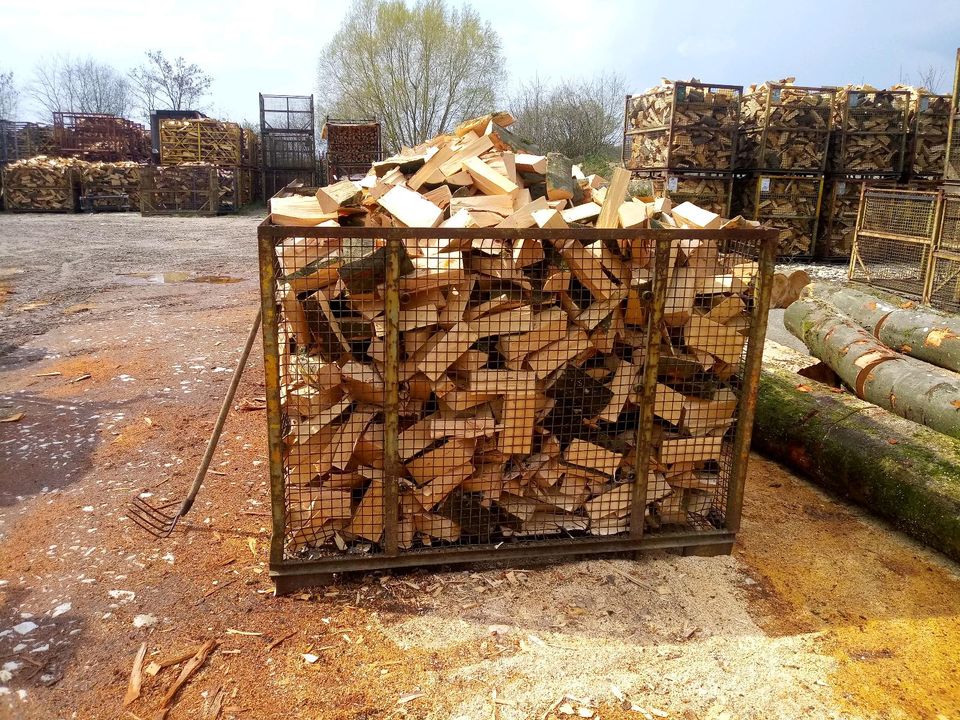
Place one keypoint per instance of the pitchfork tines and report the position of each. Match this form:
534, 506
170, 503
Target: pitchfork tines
158, 521
155, 520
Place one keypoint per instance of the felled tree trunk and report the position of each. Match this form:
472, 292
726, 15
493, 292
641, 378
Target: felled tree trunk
900, 324
910, 388
899, 470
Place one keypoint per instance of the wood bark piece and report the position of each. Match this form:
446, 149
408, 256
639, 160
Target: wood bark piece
189, 669
897, 469
910, 388
136, 676
559, 177
919, 332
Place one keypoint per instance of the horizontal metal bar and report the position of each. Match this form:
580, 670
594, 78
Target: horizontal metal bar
286, 231
524, 551
893, 236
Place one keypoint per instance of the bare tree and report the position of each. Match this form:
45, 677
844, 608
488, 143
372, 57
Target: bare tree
418, 69
930, 77
64, 84
9, 96
169, 84
580, 118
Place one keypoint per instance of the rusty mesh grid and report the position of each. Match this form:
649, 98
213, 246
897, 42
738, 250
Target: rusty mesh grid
949, 237
945, 282
520, 368
895, 238
838, 218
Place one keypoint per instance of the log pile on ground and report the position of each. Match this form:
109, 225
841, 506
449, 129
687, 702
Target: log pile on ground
902, 471
42, 184
870, 130
519, 360
111, 184
784, 127
683, 126
200, 140
903, 385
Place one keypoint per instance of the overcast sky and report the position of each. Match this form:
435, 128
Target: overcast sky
250, 47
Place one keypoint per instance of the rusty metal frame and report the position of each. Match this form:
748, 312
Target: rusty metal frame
915, 136
292, 574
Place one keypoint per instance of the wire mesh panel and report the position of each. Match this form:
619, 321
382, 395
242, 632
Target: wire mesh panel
785, 128
352, 146
838, 217
440, 390
682, 126
895, 236
286, 113
185, 190
200, 140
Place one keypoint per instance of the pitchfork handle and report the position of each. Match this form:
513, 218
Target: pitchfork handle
221, 419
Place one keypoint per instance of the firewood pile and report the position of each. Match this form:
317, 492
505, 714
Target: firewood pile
352, 146
709, 193
42, 184
682, 126
519, 360
250, 149
785, 127
200, 140
870, 128
111, 185
788, 203
193, 188
929, 122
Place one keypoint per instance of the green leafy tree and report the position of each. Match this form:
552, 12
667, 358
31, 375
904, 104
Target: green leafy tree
418, 69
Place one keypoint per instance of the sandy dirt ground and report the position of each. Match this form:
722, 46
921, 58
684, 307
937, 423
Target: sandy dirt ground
118, 369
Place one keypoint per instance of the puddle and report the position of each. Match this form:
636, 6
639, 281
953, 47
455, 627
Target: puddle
178, 277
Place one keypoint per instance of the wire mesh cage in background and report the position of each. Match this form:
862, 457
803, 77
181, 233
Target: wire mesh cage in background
453, 395
896, 231
682, 126
286, 113
710, 191
785, 128
352, 147
929, 130
188, 190
789, 203
870, 131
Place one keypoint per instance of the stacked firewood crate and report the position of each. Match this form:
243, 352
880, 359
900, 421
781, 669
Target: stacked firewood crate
288, 146
352, 146
248, 183
200, 172
42, 184
522, 343
682, 137
870, 146
782, 155
110, 186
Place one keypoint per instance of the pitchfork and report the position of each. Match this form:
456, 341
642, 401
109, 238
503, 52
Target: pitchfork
158, 521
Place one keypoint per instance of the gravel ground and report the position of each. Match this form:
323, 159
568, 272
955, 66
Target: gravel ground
821, 612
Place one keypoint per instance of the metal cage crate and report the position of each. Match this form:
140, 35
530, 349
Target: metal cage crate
870, 132
786, 128
188, 190
200, 140
929, 131
420, 412
896, 232
352, 147
789, 203
682, 126
711, 191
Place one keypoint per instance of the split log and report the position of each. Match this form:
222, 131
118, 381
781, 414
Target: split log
900, 324
902, 471
910, 388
